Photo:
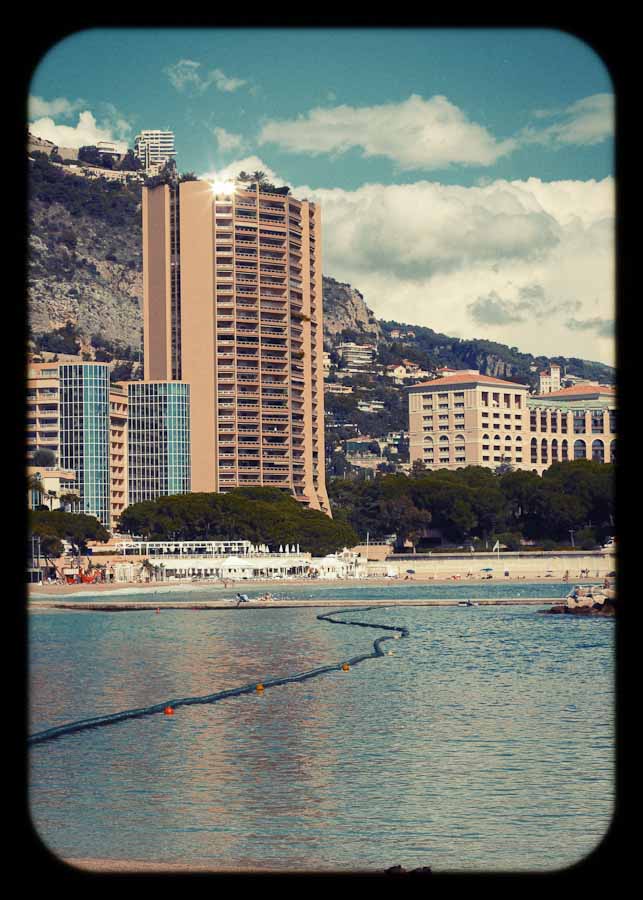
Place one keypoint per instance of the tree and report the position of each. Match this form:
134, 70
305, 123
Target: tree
90, 154
130, 162
43, 458
78, 528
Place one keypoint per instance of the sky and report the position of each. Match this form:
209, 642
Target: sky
465, 176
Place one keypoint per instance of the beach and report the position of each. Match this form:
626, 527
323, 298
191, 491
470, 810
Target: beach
123, 589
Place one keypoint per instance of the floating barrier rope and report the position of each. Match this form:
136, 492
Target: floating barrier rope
98, 721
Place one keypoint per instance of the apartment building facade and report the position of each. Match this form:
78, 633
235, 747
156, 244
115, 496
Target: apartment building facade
233, 306
158, 439
154, 148
356, 356
468, 419
85, 421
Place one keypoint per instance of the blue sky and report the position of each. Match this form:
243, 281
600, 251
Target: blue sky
465, 176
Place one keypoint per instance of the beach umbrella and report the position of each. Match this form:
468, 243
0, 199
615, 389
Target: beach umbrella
281, 549
487, 569
410, 571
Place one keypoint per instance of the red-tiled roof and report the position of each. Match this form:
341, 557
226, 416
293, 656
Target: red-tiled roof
581, 390
465, 378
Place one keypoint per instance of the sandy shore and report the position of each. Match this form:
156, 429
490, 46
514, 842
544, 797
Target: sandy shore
278, 586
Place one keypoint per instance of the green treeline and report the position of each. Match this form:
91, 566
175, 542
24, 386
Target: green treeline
473, 502
55, 526
257, 514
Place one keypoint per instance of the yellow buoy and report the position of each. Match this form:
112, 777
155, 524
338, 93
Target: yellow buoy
345, 667
260, 688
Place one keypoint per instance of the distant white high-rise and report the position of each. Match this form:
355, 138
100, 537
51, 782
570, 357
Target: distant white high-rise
154, 147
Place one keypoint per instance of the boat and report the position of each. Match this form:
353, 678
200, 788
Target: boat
468, 603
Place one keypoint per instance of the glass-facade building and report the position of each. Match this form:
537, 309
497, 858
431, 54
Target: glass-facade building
84, 437
158, 439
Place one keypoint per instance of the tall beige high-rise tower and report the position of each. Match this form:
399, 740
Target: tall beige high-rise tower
233, 306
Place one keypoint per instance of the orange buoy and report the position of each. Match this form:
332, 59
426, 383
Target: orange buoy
260, 688
168, 711
345, 667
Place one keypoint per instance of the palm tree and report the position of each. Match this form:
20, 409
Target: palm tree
69, 499
260, 177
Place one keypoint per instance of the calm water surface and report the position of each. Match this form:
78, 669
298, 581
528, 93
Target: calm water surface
484, 742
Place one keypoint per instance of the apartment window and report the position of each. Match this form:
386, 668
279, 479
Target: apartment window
563, 423
553, 425
495, 399
612, 415
543, 421
485, 398
533, 422
518, 400
507, 400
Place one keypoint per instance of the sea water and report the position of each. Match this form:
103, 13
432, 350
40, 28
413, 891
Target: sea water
484, 741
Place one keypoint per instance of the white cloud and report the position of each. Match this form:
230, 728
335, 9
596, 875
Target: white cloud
227, 141
60, 106
87, 132
187, 75
416, 134
520, 262
586, 122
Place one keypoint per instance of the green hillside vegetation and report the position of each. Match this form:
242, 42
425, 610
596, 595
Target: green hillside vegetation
474, 503
257, 514
433, 349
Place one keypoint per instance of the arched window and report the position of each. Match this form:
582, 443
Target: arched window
598, 451
444, 438
534, 450
543, 450
580, 450
613, 451
554, 450
428, 439
564, 451
518, 439
459, 439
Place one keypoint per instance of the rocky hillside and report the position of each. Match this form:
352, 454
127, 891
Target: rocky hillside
345, 310
85, 267
85, 262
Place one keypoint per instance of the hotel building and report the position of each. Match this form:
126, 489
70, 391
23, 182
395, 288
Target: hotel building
233, 306
158, 439
468, 419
